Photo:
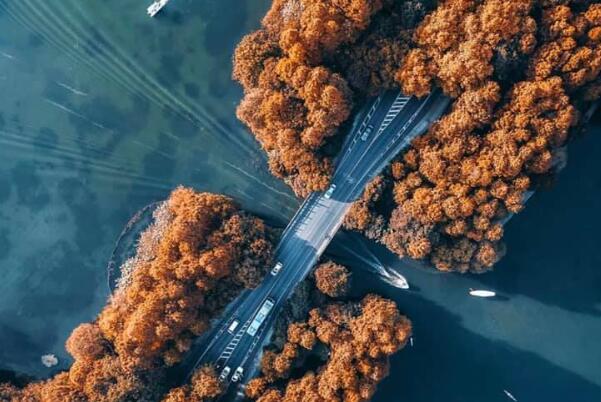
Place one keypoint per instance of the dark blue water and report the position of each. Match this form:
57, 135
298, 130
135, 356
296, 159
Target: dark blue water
104, 110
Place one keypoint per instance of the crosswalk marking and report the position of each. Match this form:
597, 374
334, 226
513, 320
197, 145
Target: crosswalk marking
396, 107
227, 352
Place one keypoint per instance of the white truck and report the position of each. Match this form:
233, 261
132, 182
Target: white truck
233, 326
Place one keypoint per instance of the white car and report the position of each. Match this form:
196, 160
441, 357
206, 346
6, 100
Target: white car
224, 373
238, 374
330, 192
367, 132
277, 268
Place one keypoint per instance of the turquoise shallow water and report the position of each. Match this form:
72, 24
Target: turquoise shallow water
104, 110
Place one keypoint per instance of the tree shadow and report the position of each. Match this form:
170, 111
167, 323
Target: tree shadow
17, 346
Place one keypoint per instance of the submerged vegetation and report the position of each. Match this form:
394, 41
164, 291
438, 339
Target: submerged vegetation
521, 73
198, 254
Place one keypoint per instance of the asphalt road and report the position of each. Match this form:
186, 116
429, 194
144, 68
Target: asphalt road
382, 129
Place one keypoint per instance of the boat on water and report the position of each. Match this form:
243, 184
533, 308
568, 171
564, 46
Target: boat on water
395, 279
510, 396
402, 283
482, 293
49, 360
157, 6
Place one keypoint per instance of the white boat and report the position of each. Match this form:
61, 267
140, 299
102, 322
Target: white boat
482, 293
157, 6
49, 360
395, 279
513, 398
401, 282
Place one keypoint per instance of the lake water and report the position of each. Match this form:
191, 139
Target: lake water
104, 110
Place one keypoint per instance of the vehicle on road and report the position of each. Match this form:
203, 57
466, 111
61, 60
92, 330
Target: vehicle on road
396, 120
277, 268
224, 373
330, 191
260, 317
233, 326
238, 374
367, 132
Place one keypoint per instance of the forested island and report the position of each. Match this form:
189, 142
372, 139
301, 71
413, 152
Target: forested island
521, 73
198, 254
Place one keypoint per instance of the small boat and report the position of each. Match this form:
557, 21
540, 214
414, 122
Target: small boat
513, 398
157, 6
401, 282
398, 280
482, 293
49, 360
411, 341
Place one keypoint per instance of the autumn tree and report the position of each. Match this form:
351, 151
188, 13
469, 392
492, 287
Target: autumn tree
332, 279
519, 72
457, 42
209, 245
360, 338
204, 386
200, 252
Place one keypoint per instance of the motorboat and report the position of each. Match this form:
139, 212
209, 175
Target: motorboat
157, 6
482, 293
394, 278
401, 282
49, 360
510, 396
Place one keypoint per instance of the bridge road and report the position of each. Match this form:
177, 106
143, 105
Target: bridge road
383, 128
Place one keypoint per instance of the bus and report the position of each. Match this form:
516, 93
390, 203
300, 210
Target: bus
260, 317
